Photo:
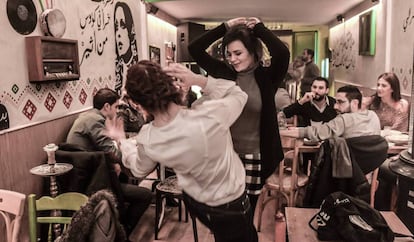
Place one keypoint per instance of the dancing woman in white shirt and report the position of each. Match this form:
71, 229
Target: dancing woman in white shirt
195, 142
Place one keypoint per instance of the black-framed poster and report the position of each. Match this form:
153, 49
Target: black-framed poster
155, 54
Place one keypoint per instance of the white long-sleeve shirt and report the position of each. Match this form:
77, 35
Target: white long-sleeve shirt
346, 125
197, 144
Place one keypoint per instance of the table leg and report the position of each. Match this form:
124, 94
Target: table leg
55, 213
280, 227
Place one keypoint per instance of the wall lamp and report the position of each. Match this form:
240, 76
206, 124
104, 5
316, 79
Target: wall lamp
151, 9
340, 18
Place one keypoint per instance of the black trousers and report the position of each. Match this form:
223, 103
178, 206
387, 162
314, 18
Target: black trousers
138, 199
230, 222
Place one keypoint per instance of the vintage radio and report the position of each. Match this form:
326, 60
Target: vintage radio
52, 59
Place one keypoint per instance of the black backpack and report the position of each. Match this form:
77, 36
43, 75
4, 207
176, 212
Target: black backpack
342, 217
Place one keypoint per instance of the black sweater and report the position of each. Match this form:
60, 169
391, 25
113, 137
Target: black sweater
309, 113
268, 79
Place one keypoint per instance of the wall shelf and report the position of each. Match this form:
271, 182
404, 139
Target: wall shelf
52, 59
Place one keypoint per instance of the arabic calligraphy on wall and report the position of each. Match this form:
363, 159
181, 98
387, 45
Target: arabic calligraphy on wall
4, 118
94, 34
344, 52
408, 20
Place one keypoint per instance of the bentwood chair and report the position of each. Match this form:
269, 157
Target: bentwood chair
373, 180
168, 188
71, 201
284, 184
11, 209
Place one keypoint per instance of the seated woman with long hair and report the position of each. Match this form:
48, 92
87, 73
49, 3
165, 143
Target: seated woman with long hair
391, 108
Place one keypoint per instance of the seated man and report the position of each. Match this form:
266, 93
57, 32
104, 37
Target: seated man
87, 132
355, 125
352, 121
314, 106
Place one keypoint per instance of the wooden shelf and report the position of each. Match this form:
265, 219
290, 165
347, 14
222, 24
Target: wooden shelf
52, 59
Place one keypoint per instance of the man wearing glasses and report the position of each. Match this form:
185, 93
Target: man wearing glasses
352, 121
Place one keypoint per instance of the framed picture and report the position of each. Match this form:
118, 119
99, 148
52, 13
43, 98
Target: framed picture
367, 33
155, 54
169, 52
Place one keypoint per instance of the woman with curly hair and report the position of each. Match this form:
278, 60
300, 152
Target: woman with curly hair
195, 142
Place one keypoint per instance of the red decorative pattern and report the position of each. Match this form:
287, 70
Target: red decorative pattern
67, 99
83, 96
95, 90
50, 102
29, 109
405, 82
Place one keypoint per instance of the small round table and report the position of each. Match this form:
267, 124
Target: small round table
52, 170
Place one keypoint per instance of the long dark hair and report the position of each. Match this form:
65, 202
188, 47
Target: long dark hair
246, 36
149, 86
394, 82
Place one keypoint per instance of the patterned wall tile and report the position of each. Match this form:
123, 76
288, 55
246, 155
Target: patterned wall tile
29, 109
50, 102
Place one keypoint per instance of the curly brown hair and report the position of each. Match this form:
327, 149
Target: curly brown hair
150, 87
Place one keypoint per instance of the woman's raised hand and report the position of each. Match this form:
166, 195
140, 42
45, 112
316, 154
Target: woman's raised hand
114, 128
236, 21
252, 21
186, 77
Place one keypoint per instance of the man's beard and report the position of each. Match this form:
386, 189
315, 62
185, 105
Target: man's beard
319, 97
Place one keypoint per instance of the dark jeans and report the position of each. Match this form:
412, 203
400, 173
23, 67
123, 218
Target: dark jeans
230, 222
138, 199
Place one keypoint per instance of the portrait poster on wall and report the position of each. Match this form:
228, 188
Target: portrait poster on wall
169, 52
155, 54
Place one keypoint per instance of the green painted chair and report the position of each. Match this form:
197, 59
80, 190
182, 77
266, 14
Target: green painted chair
71, 201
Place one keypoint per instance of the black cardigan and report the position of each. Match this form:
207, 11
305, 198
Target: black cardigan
268, 79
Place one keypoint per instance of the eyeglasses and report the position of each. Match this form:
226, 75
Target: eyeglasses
340, 102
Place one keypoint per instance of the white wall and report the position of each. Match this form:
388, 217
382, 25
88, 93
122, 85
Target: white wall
159, 33
394, 47
402, 42
92, 24
347, 65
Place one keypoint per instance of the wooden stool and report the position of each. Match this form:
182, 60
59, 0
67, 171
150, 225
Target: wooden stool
169, 188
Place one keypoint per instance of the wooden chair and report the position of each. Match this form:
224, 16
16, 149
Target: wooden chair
168, 188
285, 182
373, 180
11, 209
71, 201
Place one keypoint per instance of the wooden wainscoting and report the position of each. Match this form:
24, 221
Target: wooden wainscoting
21, 150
